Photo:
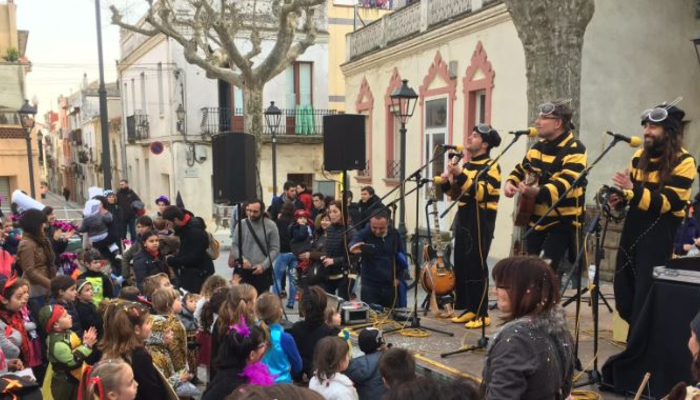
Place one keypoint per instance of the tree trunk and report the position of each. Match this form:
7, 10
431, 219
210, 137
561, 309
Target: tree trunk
253, 121
552, 35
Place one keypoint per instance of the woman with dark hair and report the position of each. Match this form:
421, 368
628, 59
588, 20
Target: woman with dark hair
681, 391
286, 260
337, 259
313, 328
36, 258
531, 356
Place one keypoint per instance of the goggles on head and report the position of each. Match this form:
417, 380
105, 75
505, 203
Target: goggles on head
547, 109
659, 114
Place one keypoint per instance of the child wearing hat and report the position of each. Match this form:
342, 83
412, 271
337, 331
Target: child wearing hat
66, 352
300, 234
88, 314
102, 287
363, 371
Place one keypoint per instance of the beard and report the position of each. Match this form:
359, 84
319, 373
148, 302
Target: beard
256, 219
655, 144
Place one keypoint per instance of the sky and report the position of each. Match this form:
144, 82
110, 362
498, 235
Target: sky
62, 44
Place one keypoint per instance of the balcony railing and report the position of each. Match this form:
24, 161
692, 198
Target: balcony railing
137, 127
302, 121
393, 169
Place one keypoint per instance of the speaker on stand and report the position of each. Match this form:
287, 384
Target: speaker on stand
234, 167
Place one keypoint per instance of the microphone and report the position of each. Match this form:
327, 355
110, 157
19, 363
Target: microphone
531, 132
457, 147
438, 180
633, 141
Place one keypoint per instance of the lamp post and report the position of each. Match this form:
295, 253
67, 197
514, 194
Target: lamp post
180, 113
102, 94
403, 103
26, 115
273, 115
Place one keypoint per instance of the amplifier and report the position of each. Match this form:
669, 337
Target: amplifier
354, 312
676, 275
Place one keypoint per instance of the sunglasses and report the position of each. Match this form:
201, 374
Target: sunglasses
659, 114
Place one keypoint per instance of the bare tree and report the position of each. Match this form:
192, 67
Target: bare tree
208, 29
552, 35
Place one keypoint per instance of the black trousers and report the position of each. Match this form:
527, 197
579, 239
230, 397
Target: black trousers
261, 282
470, 255
338, 287
555, 242
376, 294
646, 242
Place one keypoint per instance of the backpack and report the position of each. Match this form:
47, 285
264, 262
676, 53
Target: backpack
214, 249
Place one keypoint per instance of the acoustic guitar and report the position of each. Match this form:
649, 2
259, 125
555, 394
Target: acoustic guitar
437, 276
525, 206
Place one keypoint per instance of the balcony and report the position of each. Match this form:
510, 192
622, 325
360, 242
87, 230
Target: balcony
409, 19
302, 121
137, 127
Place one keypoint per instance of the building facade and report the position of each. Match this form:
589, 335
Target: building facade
14, 66
466, 62
166, 156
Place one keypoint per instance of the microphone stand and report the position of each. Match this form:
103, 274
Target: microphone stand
415, 320
481, 173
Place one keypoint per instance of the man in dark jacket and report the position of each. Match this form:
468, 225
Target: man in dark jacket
125, 197
290, 194
383, 259
192, 262
369, 204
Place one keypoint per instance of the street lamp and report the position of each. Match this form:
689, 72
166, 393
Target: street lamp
180, 112
696, 42
26, 115
273, 115
403, 103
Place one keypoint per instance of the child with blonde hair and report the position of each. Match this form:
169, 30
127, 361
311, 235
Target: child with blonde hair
282, 356
110, 379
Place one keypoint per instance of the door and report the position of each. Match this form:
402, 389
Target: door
435, 136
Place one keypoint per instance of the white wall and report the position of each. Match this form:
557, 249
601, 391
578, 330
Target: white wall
626, 71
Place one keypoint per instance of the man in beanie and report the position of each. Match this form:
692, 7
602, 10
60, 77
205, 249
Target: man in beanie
363, 371
475, 223
65, 351
656, 188
557, 160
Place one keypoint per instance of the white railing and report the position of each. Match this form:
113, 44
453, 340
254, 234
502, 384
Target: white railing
443, 10
406, 21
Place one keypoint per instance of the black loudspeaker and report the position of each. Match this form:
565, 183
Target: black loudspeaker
344, 142
234, 163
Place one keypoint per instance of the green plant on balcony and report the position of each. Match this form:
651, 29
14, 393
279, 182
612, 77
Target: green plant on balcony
11, 55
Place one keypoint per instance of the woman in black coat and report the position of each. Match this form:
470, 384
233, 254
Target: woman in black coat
337, 260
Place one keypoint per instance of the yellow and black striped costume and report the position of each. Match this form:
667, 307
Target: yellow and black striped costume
655, 212
649, 196
473, 231
559, 178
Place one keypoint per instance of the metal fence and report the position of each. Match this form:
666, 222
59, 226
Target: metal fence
137, 127
303, 121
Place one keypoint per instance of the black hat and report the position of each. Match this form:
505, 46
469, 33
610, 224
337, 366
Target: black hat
92, 255
370, 340
492, 137
674, 120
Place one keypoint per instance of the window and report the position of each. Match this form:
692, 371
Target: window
299, 81
160, 89
133, 95
480, 107
435, 135
143, 93
126, 103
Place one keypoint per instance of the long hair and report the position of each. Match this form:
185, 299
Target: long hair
268, 307
313, 305
211, 284
211, 307
532, 286
330, 352
236, 347
240, 301
668, 159
120, 321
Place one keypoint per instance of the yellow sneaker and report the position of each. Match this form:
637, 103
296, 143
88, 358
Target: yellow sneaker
466, 317
476, 323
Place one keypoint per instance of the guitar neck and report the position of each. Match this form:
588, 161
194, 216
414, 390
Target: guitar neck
437, 237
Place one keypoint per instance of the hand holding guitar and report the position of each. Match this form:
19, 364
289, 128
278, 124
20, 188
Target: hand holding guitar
510, 189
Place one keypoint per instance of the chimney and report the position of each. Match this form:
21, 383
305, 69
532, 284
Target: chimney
85, 82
